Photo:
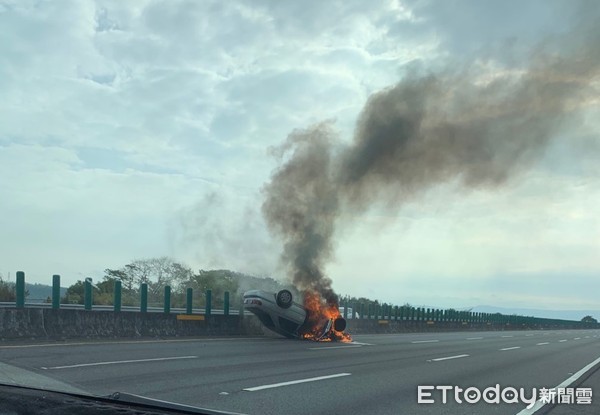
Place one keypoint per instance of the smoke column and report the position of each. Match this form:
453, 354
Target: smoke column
426, 130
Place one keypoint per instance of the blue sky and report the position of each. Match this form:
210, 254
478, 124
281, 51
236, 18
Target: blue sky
138, 129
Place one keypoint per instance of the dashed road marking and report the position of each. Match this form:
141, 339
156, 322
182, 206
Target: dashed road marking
117, 362
295, 382
335, 347
439, 359
510, 348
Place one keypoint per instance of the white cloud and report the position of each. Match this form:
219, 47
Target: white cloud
117, 119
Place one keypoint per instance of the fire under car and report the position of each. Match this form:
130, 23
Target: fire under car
279, 313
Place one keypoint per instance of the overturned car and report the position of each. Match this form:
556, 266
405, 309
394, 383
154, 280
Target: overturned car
279, 313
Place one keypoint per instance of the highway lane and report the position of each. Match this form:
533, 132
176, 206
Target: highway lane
378, 374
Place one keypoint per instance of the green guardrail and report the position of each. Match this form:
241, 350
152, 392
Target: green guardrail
368, 310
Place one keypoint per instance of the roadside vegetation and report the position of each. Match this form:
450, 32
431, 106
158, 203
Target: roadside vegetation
163, 271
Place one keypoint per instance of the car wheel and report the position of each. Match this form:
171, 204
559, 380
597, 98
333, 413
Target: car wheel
284, 299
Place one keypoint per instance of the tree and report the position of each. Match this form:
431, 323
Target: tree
218, 281
74, 294
121, 275
7, 291
589, 319
156, 272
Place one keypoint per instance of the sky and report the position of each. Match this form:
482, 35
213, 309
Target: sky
140, 129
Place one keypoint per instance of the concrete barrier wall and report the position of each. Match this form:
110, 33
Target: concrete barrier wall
39, 323
63, 324
406, 326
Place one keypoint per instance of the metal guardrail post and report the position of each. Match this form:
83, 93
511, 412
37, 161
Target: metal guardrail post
143, 297
226, 303
188, 301
87, 294
167, 302
56, 291
117, 296
20, 288
208, 307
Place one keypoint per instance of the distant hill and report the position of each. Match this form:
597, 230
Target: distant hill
533, 312
38, 293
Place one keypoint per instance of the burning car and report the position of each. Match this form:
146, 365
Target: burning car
314, 320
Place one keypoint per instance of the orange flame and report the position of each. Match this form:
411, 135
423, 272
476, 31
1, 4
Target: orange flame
319, 313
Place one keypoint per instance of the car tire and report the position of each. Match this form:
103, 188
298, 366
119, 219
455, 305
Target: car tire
339, 324
284, 299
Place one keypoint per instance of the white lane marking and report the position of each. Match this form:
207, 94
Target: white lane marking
117, 362
425, 341
511, 348
223, 393
539, 404
562, 341
26, 346
506, 336
474, 338
577, 338
335, 347
528, 335
439, 359
294, 382
541, 344
362, 344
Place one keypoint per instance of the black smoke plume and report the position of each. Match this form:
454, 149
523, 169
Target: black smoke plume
479, 130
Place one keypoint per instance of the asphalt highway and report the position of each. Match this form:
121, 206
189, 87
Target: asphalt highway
378, 374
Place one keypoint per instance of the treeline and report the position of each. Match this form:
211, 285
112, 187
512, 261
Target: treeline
160, 272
